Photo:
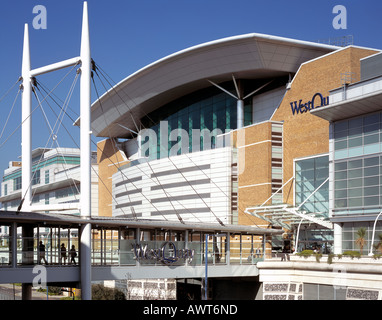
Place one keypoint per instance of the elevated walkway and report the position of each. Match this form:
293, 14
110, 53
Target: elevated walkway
126, 248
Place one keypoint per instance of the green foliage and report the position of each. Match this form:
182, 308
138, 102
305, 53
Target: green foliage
330, 258
361, 238
352, 254
53, 291
70, 298
305, 253
100, 292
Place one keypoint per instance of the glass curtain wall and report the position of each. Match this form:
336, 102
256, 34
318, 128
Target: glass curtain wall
310, 174
358, 165
210, 110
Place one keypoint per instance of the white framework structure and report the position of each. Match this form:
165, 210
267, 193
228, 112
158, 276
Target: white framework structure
85, 103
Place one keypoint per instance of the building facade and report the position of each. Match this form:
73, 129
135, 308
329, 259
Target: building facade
255, 130
56, 185
224, 132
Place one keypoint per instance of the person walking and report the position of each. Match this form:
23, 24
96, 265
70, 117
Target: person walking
73, 254
63, 253
42, 253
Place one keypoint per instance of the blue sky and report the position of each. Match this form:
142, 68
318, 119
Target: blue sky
129, 34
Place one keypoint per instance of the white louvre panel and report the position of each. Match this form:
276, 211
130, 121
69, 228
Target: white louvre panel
196, 186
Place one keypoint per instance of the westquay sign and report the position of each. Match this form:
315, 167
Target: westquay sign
317, 101
167, 253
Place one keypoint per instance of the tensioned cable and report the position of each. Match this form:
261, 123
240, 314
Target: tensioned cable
10, 112
14, 131
40, 102
76, 144
158, 182
216, 217
103, 73
53, 134
98, 148
10, 89
166, 193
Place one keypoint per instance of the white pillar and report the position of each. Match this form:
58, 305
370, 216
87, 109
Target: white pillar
240, 114
337, 238
85, 104
26, 127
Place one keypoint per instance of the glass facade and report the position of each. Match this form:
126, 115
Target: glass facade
357, 183
191, 123
357, 165
349, 236
357, 137
310, 174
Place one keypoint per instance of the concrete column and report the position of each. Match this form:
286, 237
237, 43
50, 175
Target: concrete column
26, 291
337, 238
240, 114
27, 259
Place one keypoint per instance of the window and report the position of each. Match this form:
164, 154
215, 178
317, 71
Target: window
357, 182
66, 192
17, 183
36, 177
46, 176
208, 109
310, 174
358, 136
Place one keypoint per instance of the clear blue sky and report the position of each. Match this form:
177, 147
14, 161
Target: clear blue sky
129, 34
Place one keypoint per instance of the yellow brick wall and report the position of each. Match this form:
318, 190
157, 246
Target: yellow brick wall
109, 160
303, 134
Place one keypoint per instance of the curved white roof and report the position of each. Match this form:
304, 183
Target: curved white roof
249, 56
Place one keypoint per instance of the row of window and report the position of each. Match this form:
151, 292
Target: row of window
214, 111
357, 137
358, 182
17, 182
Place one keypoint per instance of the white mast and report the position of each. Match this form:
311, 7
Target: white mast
85, 132
26, 127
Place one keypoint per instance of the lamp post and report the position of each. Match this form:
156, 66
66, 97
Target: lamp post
206, 267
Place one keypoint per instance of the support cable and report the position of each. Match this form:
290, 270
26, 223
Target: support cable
166, 193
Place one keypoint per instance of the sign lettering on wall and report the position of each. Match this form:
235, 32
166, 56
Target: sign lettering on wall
318, 100
167, 253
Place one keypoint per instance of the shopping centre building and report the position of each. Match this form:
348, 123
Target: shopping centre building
253, 130
234, 131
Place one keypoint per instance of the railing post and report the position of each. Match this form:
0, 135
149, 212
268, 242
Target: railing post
14, 245
228, 248
186, 234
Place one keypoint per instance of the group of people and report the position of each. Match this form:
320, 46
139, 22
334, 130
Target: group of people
63, 254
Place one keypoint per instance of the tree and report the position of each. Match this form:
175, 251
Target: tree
378, 246
361, 238
99, 292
